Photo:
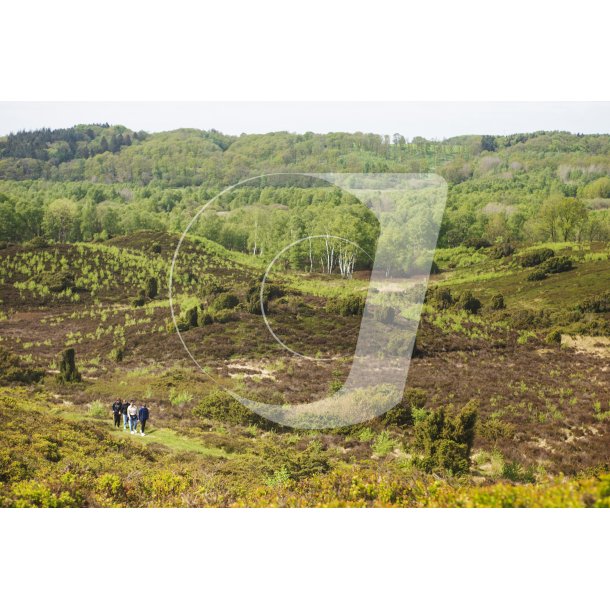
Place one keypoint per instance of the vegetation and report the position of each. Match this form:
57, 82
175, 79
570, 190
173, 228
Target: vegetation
506, 403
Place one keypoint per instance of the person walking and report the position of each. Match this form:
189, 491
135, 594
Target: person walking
125, 416
143, 415
132, 413
117, 409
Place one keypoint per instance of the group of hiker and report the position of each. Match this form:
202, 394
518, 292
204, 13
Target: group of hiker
131, 414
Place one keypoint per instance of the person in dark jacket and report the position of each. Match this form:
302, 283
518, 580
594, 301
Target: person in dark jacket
117, 410
125, 416
143, 415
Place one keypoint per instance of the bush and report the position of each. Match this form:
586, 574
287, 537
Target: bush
152, 287
477, 243
97, 410
225, 301
223, 407
446, 441
536, 276
468, 302
140, 300
224, 315
553, 337
58, 282
68, 372
434, 268
536, 257
443, 298
117, 354
352, 305
12, 370
558, 264
402, 414
502, 251
497, 302
599, 303
384, 314
38, 243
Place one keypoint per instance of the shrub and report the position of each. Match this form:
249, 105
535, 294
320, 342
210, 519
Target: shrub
67, 369
536, 276
152, 287
179, 398
38, 243
501, 251
140, 300
477, 243
97, 410
224, 315
553, 337
223, 407
536, 257
383, 444
384, 314
446, 441
497, 302
468, 302
205, 318
558, 264
442, 298
225, 301
402, 414
352, 305
13, 370
117, 354
600, 303
58, 282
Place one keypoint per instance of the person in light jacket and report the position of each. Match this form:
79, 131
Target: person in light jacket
132, 413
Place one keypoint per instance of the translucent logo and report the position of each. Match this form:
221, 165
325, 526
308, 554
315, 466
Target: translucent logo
409, 209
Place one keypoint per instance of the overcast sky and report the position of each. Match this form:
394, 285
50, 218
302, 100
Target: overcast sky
427, 119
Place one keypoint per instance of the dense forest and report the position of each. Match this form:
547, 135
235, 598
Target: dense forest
95, 182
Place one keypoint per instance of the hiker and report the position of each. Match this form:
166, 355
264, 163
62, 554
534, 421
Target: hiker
117, 409
143, 415
132, 413
125, 416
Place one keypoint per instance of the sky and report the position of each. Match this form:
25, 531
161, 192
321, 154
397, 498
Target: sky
436, 120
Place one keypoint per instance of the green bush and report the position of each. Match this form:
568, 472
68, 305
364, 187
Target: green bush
558, 264
402, 414
38, 243
140, 300
468, 302
600, 303
225, 301
224, 315
536, 257
537, 276
446, 440
223, 407
352, 305
501, 251
384, 314
477, 243
497, 302
68, 372
97, 410
58, 282
442, 298
13, 370
152, 287
553, 337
